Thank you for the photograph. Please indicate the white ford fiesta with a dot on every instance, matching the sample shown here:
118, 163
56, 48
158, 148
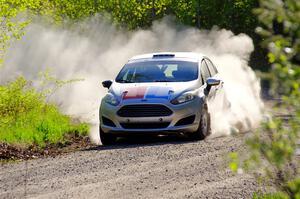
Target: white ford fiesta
160, 93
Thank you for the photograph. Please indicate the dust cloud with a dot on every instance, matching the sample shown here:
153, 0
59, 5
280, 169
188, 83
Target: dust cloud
95, 50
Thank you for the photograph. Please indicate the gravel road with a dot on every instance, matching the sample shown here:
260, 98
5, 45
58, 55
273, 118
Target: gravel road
165, 167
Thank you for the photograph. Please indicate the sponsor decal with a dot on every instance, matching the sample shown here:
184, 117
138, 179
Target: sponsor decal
134, 93
151, 92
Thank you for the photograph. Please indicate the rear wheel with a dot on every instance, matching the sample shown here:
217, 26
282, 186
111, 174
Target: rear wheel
204, 128
106, 138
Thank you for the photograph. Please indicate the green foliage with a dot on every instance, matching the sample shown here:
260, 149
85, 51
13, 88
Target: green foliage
280, 28
50, 84
234, 164
235, 15
25, 118
273, 148
15, 15
294, 188
10, 29
75, 10
270, 196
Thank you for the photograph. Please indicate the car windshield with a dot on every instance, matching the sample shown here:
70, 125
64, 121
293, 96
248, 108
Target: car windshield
158, 71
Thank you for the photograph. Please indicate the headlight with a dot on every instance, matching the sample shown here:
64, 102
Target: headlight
111, 99
185, 97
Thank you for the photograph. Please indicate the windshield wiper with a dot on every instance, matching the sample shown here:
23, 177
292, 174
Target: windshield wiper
124, 81
163, 81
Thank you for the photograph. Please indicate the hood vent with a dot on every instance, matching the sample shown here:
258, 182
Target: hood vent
163, 55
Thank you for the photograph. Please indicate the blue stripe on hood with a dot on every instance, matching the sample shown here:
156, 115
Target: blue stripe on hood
157, 92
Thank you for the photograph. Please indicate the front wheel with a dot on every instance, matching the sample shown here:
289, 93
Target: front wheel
106, 138
204, 128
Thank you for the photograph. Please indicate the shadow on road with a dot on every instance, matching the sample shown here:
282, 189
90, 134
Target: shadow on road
143, 141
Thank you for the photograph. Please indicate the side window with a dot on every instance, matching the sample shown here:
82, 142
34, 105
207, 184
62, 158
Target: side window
211, 67
204, 71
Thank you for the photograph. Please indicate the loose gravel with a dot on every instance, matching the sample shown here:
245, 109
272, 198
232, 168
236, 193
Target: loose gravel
145, 167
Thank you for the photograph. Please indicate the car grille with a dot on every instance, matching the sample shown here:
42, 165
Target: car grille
144, 110
144, 125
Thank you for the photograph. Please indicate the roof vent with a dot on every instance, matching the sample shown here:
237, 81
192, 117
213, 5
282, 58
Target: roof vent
163, 55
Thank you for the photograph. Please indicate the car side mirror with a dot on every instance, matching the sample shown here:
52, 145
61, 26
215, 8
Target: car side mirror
210, 82
107, 83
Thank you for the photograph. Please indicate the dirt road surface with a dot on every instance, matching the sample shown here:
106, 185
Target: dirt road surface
165, 167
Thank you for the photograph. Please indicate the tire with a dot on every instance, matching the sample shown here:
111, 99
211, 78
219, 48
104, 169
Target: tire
204, 128
107, 138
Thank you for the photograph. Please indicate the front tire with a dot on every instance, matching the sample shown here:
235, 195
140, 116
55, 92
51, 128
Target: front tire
204, 128
107, 138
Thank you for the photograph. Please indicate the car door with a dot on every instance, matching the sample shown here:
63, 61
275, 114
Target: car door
214, 74
205, 74
218, 91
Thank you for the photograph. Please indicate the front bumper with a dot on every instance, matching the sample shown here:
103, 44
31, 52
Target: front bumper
185, 110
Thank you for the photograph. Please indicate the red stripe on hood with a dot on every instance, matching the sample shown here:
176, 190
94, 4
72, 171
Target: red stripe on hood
135, 93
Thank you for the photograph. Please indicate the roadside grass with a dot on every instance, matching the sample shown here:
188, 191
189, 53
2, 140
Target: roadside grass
271, 196
26, 119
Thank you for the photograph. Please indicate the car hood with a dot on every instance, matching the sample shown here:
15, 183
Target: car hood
156, 90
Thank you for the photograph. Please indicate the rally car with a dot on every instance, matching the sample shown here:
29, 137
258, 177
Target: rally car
160, 93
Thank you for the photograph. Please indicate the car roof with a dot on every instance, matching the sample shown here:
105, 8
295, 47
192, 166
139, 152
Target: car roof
168, 55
